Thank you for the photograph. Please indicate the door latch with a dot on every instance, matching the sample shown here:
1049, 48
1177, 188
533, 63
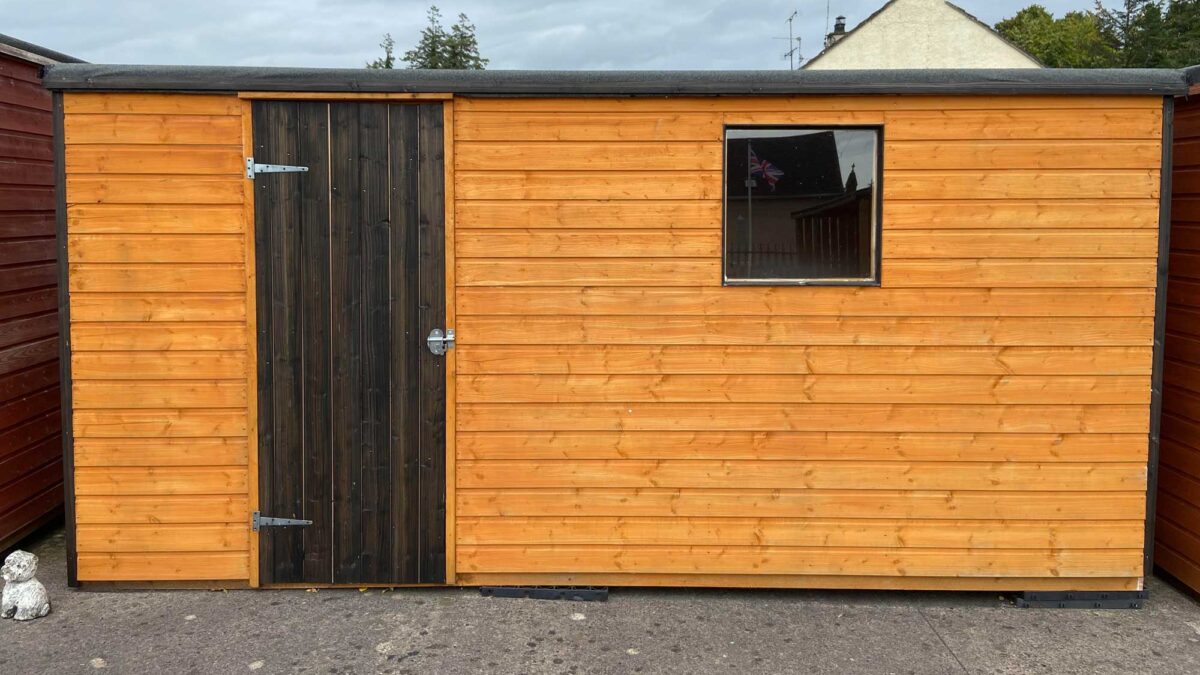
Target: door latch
438, 342
259, 520
253, 169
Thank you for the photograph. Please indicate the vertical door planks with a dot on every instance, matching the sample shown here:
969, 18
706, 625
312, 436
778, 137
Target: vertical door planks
352, 264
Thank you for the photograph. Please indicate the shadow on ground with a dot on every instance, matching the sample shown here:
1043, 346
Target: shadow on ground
636, 631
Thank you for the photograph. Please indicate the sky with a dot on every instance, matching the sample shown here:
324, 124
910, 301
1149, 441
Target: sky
514, 34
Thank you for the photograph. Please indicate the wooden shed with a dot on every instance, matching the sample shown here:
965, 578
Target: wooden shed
1177, 535
822, 329
31, 471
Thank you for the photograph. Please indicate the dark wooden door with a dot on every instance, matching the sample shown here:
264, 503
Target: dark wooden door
351, 404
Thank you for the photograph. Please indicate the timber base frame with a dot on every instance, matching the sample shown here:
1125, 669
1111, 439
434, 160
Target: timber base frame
1082, 599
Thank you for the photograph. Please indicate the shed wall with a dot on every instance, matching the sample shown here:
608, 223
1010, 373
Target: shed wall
160, 336
31, 471
1177, 531
623, 418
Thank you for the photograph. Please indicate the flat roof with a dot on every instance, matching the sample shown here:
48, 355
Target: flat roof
1133, 81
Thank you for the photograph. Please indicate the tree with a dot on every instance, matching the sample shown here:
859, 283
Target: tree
388, 60
1074, 41
438, 48
1183, 31
1136, 31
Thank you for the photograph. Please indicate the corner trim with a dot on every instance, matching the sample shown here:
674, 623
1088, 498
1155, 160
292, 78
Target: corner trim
64, 339
1160, 329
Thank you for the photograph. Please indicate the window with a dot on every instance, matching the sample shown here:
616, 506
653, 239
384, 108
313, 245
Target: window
802, 205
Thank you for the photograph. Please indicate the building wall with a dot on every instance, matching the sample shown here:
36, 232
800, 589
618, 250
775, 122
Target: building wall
160, 336
1177, 531
31, 489
979, 421
922, 34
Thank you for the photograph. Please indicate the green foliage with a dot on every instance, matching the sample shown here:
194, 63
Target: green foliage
1074, 41
388, 60
1135, 34
439, 48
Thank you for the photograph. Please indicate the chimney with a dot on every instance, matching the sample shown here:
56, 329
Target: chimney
839, 31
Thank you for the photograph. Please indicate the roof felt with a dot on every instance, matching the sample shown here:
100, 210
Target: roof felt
1157, 82
47, 56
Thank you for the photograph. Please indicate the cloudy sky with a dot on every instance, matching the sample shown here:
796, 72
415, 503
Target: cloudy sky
546, 34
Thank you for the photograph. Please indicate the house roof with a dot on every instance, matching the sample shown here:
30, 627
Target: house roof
89, 77
953, 6
28, 51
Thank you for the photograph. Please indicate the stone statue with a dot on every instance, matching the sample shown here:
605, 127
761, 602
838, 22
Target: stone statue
24, 597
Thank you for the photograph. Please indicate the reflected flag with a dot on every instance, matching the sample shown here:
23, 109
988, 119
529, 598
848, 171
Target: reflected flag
761, 168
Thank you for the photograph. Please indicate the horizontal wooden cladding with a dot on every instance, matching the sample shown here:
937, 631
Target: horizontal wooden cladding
897, 273
171, 566
159, 423
127, 219
153, 248
588, 185
588, 214
158, 365
809, 331
722, 104
882, 533
139, 307
129, 538
1018, 124
135, 278
677, 503
863, 360
160, 452
158, 394
80, 103
804, 581
1067, 213
899, 185
756, 388
898, 214
807, 301
1000, 447
895, 417
1009, 154
155, 159
802, 560
708, 156
152, 129
794, 474
645, 243
124, 189
161, 509
150, 480
609, 243
135, 336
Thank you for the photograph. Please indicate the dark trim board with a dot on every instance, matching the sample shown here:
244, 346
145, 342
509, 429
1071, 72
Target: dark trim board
64, 339
1160, 331
1131, 81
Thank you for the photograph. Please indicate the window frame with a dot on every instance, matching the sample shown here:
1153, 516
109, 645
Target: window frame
876, 278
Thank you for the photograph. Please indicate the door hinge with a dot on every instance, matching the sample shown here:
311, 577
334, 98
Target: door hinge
259, 520
253, 169
438, 342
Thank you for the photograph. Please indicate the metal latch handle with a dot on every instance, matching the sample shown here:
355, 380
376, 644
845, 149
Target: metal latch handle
438, 342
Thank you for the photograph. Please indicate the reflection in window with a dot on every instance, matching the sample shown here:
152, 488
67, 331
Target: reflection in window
800, 205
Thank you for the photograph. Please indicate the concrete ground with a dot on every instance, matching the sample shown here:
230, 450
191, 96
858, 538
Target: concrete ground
636, 631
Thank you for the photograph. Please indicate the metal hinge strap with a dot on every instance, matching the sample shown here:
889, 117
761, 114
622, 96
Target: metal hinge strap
259, 520
253, 169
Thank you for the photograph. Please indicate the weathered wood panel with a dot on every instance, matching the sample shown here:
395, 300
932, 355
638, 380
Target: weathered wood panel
622, 414
30, 451
1178, 507
157, 248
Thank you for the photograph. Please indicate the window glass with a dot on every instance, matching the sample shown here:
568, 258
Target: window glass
800, 205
